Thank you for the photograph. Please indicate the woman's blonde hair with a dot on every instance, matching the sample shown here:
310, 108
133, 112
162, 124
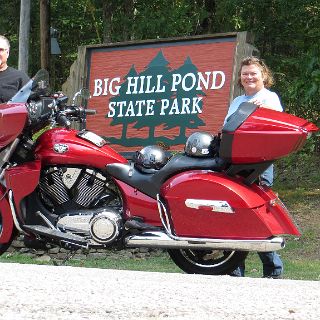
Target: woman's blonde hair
268, 80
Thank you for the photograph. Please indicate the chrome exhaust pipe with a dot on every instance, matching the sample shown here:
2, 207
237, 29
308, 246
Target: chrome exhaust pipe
157, 239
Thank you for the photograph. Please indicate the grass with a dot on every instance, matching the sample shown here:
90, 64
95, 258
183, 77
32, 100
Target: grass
298, 185
158, 263
299, 268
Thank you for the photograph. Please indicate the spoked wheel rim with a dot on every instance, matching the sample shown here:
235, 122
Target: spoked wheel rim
207, 258
213, 262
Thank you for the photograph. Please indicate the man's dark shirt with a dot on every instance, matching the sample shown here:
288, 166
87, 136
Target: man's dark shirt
11, 81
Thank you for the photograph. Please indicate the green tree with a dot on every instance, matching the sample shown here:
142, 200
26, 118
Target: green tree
185, 117
287, 33
156, 79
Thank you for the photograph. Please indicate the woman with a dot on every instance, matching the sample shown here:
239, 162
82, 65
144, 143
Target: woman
255, 78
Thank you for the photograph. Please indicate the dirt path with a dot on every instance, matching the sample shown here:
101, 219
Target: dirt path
48, 292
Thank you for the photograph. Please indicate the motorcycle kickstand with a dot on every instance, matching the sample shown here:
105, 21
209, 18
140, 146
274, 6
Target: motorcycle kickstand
69, 256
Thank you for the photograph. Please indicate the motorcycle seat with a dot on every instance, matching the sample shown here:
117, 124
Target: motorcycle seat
150, 184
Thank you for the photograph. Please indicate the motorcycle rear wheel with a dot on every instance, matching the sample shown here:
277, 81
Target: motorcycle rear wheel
211, 262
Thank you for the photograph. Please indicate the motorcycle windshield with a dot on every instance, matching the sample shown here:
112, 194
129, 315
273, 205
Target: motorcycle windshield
238, 117
35, 87
13, 115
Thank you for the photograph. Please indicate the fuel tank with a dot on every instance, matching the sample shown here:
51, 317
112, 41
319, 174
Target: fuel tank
255, 135
13, 117
65, 147
207, 204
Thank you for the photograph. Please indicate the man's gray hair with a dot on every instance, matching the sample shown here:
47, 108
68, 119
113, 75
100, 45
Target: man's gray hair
6, 40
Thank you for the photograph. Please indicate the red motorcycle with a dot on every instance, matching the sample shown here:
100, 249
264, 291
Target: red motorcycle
205, 206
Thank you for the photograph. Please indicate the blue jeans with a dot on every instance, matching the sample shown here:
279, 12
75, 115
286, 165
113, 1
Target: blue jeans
267, 176
272, 264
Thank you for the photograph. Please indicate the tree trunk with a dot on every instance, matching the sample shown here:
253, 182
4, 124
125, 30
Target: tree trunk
24, 32
128, 11
209, 22
108, 8
45, 33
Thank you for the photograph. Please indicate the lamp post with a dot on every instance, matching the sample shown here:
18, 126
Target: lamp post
55, 51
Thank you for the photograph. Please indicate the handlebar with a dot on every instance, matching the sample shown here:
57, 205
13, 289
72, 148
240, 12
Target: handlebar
63, 120
46, 109
90, 111
72, 111
75, 111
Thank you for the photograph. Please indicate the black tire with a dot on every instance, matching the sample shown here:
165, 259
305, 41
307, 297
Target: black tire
4, 246
213, 262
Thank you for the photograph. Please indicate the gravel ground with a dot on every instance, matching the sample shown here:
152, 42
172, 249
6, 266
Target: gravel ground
49, 292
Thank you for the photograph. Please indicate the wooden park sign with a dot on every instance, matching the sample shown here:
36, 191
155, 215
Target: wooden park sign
160, 91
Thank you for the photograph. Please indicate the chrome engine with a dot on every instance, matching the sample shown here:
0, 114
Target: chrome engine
84, 201
60, 185
103, 226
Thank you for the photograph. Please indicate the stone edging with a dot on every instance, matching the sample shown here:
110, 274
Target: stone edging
61, 254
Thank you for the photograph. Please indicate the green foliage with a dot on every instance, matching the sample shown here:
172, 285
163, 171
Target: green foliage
303, 94
287, 33
291, 172
161, 19
9, 27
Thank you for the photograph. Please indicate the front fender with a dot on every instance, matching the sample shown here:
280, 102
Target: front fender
22, 180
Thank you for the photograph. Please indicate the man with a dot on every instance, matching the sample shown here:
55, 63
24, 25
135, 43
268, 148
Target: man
11, 80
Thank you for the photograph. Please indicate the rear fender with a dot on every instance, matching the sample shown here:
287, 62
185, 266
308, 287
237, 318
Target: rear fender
275, 214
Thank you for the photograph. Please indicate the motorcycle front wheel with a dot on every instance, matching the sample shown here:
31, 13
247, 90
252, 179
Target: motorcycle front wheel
212, 262
3, 246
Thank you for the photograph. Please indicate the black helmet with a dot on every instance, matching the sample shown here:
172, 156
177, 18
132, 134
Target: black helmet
150, 159
199, 144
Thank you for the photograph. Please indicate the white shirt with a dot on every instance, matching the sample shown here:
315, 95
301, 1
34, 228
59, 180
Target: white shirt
266, 96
